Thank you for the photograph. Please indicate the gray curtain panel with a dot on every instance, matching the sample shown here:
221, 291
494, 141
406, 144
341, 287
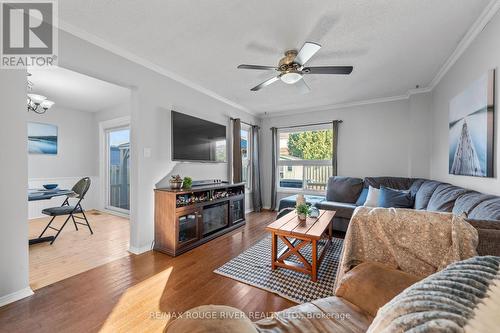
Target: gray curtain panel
275, 152
256, 193
237, 167
335, 128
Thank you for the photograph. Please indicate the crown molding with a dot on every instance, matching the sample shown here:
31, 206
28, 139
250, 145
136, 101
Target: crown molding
330, 107
93, 39
477, 27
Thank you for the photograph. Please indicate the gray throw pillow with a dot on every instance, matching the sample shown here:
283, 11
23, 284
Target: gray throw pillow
344, 189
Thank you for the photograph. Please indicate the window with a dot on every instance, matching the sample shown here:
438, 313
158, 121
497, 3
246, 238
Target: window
305, 158
118, 160
246, 155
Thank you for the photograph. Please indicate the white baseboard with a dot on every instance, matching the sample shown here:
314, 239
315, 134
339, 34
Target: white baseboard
15, 296
139, 250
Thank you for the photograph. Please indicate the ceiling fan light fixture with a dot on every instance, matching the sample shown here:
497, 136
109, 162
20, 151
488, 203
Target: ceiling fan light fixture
46, 104
291, 77
37, 99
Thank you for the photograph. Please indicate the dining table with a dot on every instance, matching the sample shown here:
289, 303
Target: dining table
43, 194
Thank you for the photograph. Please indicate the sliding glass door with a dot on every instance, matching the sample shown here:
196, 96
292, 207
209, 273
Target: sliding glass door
118, 166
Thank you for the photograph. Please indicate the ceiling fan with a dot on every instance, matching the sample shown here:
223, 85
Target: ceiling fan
291, 68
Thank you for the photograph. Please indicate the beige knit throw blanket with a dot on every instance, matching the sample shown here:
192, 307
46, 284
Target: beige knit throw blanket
417, 242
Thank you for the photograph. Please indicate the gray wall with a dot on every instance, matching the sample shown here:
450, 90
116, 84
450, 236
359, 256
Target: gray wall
78, 150
13, 189
482, 55
374, 140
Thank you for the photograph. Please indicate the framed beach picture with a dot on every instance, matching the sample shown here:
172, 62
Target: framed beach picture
471, 128
42, 138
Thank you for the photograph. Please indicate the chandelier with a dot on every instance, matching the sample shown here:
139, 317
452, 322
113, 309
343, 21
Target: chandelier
37, 103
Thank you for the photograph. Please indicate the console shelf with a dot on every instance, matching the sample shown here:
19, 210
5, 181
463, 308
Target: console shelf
185, 219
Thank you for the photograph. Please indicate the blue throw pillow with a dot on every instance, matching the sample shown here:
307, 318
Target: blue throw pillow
362, 197
390, 198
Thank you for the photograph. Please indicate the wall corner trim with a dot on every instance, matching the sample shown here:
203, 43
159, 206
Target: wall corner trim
15, 296
477, 27
139, 250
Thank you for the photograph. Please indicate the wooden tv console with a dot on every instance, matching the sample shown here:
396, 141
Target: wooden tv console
185, 219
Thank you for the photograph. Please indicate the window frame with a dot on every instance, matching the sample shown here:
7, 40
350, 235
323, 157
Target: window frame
302, 163
249, 129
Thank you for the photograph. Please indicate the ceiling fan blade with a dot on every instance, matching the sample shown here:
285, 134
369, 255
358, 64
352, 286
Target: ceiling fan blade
328, 70
256, 67
306, 52
265, 83
302, 86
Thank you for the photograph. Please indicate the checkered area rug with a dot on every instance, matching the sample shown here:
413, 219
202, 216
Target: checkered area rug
253, 267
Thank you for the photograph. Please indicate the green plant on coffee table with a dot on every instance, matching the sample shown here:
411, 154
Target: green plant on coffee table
302, 211
187, 183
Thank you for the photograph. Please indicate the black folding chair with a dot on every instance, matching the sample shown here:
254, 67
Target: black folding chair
79, 191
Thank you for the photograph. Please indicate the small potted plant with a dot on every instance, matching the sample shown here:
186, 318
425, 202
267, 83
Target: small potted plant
187, 183
302, 211
176, 182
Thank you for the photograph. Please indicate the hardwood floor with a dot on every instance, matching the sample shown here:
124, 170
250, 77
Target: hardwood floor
74, 251
137, 293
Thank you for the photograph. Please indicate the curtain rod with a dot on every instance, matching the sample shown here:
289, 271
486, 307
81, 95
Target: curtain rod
243, 122
316, 124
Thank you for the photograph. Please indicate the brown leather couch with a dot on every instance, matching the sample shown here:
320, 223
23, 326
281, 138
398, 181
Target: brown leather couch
360, 294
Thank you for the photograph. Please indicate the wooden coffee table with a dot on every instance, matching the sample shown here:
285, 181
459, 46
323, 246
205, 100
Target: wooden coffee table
297, 234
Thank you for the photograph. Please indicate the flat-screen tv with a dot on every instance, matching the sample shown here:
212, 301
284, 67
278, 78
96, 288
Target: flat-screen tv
197, 140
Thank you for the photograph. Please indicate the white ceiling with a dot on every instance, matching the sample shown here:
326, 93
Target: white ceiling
77, 91
393, 45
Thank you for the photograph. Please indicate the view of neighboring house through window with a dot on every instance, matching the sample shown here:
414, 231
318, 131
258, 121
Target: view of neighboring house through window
119, 169
246, 155
305, 160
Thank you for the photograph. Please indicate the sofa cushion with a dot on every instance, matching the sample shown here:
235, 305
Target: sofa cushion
325, 315
443, 198
342, 209
468, 201
371, 285
362, 197
391, 198
344, 189
487, 210
424, 194
461, 298
397, 183
416, 186
372, 197
488, 232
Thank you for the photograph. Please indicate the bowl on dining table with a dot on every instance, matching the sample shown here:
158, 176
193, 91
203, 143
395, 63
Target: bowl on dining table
50, 186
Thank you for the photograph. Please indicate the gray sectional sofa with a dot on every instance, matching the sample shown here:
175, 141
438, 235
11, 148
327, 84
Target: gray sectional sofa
343, 194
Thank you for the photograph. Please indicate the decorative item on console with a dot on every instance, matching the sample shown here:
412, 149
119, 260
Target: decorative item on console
187, 182
176, 182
